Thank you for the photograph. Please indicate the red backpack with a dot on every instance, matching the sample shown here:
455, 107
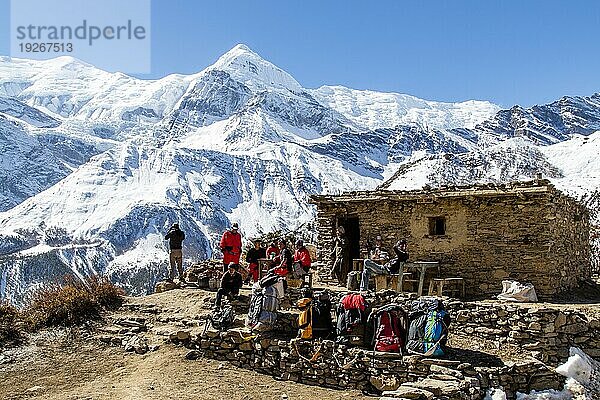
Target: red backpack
390, 328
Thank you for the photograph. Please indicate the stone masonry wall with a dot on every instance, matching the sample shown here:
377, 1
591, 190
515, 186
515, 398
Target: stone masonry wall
487, 238
330, 365
570, 228
546, 331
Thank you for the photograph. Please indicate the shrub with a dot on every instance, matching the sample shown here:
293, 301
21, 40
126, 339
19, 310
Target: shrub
72, 303
11, 326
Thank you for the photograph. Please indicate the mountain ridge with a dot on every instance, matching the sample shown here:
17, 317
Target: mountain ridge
238, 141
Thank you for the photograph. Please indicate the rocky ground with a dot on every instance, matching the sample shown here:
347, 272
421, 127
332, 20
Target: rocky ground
80, 364
130, 355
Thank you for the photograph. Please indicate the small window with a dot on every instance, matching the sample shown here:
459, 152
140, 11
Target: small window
437, 226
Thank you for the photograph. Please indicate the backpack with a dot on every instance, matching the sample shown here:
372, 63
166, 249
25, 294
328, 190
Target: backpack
268, 280
264, 304
428, 331
352, 320
222, 318
305, 318
390, 325
322, 325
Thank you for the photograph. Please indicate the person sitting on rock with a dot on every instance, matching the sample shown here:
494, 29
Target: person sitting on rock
302, 256
231, 282
284, 261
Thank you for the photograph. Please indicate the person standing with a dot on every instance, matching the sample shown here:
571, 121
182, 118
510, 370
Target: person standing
231, 246
392, 267
175, 236
341, 256
231, 282
252, 257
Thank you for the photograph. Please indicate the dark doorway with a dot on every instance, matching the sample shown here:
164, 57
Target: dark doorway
352, 228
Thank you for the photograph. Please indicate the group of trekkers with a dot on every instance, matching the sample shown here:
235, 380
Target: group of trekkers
277, 256
421, 328
377, 263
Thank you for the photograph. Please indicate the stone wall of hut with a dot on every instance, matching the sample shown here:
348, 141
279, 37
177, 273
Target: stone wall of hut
539, 236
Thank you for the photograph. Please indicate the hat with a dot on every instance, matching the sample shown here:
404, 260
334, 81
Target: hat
233, 265
256, 240
378, 237
235, 225
402, 241
299, 242
175, 225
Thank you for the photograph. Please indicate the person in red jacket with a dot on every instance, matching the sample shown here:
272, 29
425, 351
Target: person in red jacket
231, 246
302, 255
272, 251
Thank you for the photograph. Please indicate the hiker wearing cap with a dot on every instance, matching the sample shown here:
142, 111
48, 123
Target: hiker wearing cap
252, 257
341, 256
302, 256
231, 246
175, 236
391, 267
231, 282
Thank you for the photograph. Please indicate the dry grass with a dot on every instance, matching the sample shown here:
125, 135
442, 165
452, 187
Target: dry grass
72, 303
11, 326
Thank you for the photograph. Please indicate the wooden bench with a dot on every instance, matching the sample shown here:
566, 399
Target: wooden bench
357, 264
453, 285
391, 281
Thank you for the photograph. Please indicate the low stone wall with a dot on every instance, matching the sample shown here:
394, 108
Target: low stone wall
546, 331
331, 365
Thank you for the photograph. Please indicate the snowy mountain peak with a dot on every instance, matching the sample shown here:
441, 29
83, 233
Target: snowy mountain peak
246, 66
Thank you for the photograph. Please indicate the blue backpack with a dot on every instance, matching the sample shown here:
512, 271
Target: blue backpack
428, 329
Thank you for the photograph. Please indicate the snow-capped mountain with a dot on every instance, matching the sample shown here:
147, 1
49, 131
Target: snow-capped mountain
95, 165
374, 110
546, 124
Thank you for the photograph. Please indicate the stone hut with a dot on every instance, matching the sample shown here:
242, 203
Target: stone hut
526, 231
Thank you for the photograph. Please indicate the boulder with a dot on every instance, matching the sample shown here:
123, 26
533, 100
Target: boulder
384, 383
406, 392
164, 286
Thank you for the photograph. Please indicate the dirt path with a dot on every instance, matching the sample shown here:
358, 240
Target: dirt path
86, 370
57, 365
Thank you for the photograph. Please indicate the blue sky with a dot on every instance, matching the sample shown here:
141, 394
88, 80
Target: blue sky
509, 52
